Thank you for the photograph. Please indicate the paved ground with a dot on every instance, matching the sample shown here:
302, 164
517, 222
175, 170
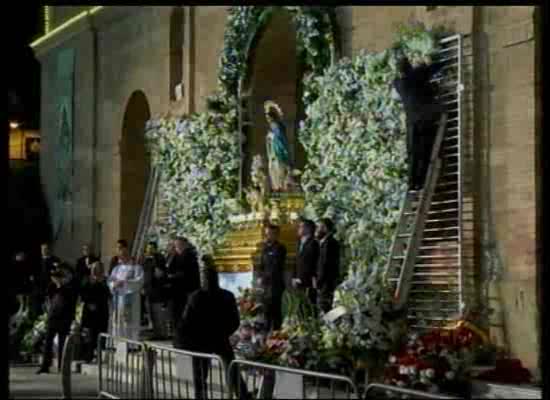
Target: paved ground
25, 384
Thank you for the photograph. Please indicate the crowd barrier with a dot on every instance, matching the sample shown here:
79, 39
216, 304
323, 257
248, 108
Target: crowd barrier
130, 369
123, 368
265, 381
180, 374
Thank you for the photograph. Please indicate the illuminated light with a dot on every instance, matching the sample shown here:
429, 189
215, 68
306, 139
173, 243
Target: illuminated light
14, 125
47, 19
65, 25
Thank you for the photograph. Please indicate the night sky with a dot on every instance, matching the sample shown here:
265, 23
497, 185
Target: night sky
23, 68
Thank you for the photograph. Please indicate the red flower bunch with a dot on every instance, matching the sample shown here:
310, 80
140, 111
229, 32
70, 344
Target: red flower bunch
435, 361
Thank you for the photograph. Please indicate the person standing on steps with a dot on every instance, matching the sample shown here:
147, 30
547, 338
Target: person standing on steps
423, 112
328, 266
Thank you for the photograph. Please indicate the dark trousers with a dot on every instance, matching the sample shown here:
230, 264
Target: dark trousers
420, 140
176, 311
273, 311
36, 308
54, 329
201, 368
95, 328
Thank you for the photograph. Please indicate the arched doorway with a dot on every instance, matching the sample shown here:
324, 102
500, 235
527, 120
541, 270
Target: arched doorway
274, 74
134, 164
176, 50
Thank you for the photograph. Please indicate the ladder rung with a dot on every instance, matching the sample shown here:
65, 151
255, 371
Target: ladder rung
437, 256
448, 310
448, 246
453, 147
450, 155
433, 274
450, 228
446, 174
434, 283
434, 239
437, 211
427, 266
454, 137
435, 203
451, 165
437, 291
433, 221
416, 300
421, 317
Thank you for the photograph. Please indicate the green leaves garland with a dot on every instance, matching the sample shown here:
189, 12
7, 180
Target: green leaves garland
199, 158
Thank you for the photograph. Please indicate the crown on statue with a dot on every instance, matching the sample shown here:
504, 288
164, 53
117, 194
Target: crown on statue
270, 106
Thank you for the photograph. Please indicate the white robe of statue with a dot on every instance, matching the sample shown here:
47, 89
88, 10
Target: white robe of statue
126, 316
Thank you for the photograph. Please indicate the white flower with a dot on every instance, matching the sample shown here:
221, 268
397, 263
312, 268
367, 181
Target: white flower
430, 373
450, 375
393, 359
412, 370
403, 370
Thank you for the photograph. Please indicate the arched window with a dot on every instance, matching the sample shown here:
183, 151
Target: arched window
176, 50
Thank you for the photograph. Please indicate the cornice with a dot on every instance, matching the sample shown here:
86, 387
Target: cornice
96, 18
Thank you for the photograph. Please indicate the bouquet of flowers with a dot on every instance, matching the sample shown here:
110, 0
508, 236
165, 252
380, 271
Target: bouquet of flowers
437, 361
32, 341
249, 340
362, 324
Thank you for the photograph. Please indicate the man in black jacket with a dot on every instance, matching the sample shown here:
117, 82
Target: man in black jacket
210, 318
328, 267
83, 264
61, 313
183, 278
423, 112
271, 277
42, 281
154, 276
307, 255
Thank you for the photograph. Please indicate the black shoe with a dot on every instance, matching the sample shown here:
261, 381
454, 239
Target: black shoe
43, 370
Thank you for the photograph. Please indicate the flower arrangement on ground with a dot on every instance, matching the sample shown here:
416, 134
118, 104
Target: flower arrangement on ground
250, 339
436, 361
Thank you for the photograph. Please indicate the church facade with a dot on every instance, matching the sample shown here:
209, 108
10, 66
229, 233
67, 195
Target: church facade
128, 64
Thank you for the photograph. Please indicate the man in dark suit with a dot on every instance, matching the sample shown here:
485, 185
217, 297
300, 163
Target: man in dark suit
183, 278
210, 318
83, 265
271, 277
307, 256
62, 295
423, 112
47, 264
328, 267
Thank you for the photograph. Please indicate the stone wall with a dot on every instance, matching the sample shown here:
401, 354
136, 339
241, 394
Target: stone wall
499, 122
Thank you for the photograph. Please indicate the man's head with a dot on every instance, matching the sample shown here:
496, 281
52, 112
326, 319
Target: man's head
180, 243
272, 232
122, 247
306, 227
19, 257
45, 249
324, 228
151, 248
85, 250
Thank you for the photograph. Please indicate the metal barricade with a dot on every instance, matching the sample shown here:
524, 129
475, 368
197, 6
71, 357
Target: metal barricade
380, 391
264, 381
123, 368
177, 374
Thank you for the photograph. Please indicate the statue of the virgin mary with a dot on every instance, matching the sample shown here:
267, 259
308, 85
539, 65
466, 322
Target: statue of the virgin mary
277, 148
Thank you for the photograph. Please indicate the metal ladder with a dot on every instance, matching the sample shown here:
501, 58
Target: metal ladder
138, 244
411, 226
425, 267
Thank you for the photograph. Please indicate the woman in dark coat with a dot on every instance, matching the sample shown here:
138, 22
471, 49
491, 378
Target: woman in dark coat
95, 295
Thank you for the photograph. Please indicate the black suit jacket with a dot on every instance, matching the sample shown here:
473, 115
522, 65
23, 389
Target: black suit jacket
418, 93
306, 262
328, 267
82, 271
185, 275
44, 275
209, 319
271, 268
